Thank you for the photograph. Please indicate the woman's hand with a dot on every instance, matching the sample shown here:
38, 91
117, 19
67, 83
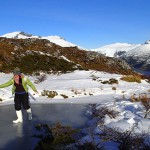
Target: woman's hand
36, 92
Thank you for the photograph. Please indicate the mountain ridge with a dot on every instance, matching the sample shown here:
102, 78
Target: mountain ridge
111, 50
137, 55
53, 38
41, 54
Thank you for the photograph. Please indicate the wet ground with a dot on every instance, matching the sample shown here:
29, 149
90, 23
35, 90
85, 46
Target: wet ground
19, 136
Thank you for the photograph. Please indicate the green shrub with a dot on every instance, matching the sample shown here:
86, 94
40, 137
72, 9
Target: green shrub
64, 96
35, 62
113, 88
111, 81
105, 82
52, 138
49, 94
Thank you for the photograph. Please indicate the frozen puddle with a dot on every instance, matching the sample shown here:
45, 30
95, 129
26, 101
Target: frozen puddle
19, 136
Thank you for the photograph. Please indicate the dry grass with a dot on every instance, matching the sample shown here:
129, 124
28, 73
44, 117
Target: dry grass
113, 88
127, 140
145, 100
131, 78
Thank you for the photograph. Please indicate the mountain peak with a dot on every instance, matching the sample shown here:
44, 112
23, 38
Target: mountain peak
19, 35
54, 39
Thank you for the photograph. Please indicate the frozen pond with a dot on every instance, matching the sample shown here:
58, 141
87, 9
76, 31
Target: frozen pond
19, 136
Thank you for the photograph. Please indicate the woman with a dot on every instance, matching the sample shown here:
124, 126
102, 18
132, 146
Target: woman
20, 90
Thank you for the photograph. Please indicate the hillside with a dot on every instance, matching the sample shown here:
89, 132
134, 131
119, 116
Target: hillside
37, 54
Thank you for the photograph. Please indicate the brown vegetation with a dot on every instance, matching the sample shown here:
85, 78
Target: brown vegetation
15, 51
145, 100
131, 78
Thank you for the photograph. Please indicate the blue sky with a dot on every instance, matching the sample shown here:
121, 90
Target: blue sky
87, 23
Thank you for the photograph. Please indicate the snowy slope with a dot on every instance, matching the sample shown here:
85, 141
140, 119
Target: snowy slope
59, 41
54, 39
114, 50
68, 84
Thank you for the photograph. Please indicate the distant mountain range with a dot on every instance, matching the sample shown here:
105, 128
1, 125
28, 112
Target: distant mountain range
53, 54
137, 55
116, 49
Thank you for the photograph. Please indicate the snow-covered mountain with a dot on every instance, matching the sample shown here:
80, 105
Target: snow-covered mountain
116, 49
54, 39
147, 42
139, 57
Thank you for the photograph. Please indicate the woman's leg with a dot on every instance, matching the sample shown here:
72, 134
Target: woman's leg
17, 101
17, 105
25, 103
